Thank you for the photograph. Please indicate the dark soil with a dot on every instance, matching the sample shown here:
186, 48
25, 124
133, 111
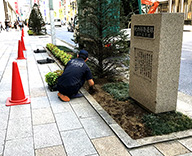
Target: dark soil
128, 114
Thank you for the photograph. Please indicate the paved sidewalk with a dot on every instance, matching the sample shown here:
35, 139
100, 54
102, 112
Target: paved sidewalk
49, 127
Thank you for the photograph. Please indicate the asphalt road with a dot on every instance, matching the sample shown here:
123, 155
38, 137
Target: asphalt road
185, 78
62, 34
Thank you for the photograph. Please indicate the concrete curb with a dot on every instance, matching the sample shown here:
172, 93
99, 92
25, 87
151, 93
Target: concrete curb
123, 136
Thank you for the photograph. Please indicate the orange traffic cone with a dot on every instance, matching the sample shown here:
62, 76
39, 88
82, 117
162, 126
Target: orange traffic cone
17, 95
22, 33
20, 51
22, 43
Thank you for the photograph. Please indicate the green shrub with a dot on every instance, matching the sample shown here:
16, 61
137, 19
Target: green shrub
118, 90
60, 54
36, 21
165, 123
58, 72
64, 49
51, 77
30, 32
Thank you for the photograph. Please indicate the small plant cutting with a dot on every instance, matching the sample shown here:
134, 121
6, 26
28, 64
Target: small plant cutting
51, 79
60, 54
30, 32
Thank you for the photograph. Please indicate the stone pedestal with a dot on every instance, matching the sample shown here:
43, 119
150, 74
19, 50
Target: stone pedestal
156, 42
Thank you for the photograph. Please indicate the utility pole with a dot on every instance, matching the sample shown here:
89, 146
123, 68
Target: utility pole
31, 4
139, 5
51, 12
170, 5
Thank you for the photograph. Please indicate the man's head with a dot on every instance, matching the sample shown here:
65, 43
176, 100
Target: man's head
83, 54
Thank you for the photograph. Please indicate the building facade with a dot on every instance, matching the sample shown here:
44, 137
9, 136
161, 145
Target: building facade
8, 12
173, 6
66, 10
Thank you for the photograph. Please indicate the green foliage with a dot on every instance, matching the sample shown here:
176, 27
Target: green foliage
51, 77
165, 123
60, 54
64, 49
30, 32
118, 90
98, 27
128, 8
58, 72
36, 21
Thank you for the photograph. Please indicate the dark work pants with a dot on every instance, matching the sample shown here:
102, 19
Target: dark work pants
69, 90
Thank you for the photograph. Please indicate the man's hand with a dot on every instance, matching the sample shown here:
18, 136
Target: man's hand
91, 82
92, 90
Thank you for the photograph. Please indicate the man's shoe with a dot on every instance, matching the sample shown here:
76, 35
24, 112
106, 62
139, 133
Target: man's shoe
78, 95
63, 97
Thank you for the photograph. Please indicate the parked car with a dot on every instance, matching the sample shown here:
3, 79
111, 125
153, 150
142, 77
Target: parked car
57, 22
125, 32
70, 27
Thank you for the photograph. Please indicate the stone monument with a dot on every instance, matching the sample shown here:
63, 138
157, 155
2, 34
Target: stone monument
156, 42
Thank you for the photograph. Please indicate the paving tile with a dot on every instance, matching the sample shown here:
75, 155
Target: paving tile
19, 147
78, 100
4, 96
108, 119
187, 143
183, 106
60, 107
44, 69
84, 110
67, 121
96, 127
4, 114
53, 96
42, 116
51, 151
183, 134
186, 154
46, 135
157, 139
37, 92
40, 102
20, 111
110, 146
19, 128
52, 66
32, 67
5, 86
2, 139
168, 148
77, 143
145, 151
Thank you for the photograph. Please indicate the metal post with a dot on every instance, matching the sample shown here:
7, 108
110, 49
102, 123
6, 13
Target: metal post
139, 5
51, 12
31, 4
170, 5
182, 1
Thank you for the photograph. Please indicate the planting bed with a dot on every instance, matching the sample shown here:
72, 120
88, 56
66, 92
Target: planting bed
129, 115
125, 113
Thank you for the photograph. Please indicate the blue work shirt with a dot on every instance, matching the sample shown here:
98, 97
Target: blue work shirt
75, 73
